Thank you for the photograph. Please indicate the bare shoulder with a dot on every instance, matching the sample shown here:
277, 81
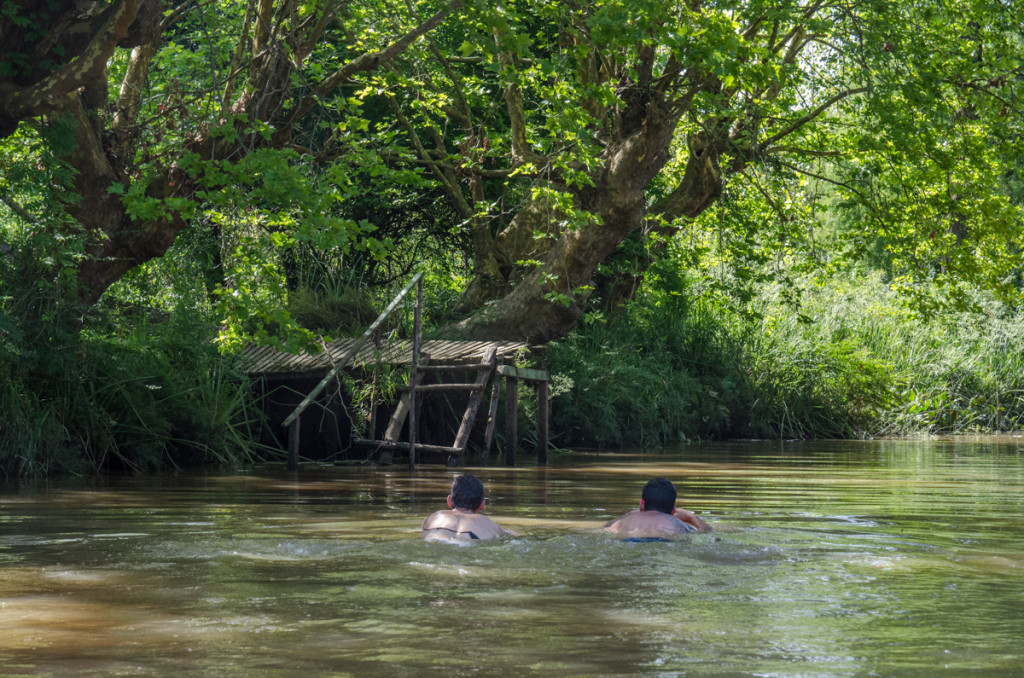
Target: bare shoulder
440, 519
485, 528
616, 524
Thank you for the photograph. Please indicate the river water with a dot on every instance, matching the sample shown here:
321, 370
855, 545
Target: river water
878, 558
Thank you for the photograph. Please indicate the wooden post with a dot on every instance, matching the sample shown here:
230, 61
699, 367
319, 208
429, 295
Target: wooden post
492, 415
511, 420
417, 330
293, 444
542, 422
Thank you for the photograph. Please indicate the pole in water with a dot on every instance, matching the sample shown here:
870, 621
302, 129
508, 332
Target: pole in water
414, 376
293, 444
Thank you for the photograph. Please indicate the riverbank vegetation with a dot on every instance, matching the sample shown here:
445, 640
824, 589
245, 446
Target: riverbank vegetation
850, 361
725, 219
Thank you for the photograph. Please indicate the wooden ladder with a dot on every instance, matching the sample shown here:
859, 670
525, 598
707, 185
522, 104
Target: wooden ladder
391, 441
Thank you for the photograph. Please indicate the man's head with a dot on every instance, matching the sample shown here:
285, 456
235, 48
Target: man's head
658, 495
467, 493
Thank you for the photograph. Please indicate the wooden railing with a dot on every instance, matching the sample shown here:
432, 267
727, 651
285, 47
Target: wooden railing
293, 419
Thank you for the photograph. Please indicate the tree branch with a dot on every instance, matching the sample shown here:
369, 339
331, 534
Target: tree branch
15, 207
446, 179
236, 59
811, 115
39, 98
126, 113
314, 35
177, 13
807, 152
522, 154
370, 61
840, 184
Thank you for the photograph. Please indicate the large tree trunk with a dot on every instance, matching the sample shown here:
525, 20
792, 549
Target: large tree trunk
497, 269
700, 187
549, 300
655, 88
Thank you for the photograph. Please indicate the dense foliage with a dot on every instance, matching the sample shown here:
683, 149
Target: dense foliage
683, 363
788, 216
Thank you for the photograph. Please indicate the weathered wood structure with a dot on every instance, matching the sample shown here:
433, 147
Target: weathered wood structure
486, 361
264, 360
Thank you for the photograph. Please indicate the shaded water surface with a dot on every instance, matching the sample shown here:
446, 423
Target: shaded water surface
829, 559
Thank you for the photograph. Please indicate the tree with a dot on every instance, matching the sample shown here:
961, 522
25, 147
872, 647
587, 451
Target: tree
557, 132
141, 167
629, 117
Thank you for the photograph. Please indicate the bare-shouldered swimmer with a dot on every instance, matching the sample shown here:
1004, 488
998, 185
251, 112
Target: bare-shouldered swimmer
463, 520
657, 515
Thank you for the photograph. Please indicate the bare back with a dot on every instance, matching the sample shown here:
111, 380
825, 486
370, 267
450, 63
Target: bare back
648, 524
460, 526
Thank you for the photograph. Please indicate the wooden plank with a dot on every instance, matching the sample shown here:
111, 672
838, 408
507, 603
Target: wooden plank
527, 373
414, 373
462, 437
394, 430
459, 386
445, 351
260, 359
347, 350
510, 350
395, 353
338, 349
453, 367
399, 445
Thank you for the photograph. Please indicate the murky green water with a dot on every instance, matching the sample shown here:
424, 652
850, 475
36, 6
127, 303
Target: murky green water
830, 559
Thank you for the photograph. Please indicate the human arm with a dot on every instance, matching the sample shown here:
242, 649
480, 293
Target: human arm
692, 518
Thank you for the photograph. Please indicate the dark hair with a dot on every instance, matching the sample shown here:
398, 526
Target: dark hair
659, 495
467, 492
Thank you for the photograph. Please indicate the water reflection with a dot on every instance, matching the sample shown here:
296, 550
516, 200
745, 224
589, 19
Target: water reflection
839, 559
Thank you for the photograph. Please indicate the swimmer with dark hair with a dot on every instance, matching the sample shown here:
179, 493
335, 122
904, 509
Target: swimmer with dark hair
463, 521
657, 516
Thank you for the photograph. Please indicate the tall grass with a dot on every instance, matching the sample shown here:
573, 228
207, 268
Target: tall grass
659, 371
851, 360
128, 394
947, 373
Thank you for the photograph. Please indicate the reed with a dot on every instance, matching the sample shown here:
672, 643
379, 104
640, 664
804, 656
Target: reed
108, 399
850, 360
657, 372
